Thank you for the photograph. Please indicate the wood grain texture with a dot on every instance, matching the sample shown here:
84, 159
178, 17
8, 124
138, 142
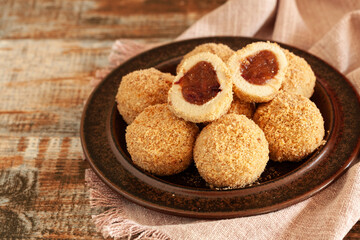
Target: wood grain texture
45, 83
42, 190
98, 19
49, 51
43, 88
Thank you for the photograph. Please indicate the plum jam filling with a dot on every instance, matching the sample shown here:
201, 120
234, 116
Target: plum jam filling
260, 67
200, 84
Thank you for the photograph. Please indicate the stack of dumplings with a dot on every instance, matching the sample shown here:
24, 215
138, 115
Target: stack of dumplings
228, 111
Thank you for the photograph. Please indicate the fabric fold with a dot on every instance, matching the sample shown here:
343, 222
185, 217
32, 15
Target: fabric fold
329, 30
234, 18
341, 46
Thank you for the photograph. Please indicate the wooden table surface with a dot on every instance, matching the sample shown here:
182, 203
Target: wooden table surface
49, 51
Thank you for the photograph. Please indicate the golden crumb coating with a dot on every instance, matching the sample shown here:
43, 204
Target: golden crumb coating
299, 77
293, 126
231, 152
240, 107
140, 89
160, 142
219, 49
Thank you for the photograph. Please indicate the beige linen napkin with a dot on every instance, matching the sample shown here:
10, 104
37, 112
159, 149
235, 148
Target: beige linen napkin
328, 29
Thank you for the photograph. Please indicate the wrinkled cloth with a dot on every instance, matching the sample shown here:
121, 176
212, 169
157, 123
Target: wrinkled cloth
329, 29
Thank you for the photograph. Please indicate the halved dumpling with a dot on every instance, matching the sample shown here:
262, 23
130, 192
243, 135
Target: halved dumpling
202, 90
257, 71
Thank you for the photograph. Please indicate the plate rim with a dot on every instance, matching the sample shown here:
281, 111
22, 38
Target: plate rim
270, 208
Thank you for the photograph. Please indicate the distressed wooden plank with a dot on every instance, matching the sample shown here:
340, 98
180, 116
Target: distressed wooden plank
44, 196
43, 88
42, 97
35, 151
99, 19
44, 84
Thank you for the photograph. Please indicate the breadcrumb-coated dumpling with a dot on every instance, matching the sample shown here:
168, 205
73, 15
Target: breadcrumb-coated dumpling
140, 89
293, 126
257, 71
240, 107
231, 152
160, 142
202, 90
299, 77
219, 49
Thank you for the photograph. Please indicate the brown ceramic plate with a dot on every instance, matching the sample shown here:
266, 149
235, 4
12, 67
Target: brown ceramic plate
186, 194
